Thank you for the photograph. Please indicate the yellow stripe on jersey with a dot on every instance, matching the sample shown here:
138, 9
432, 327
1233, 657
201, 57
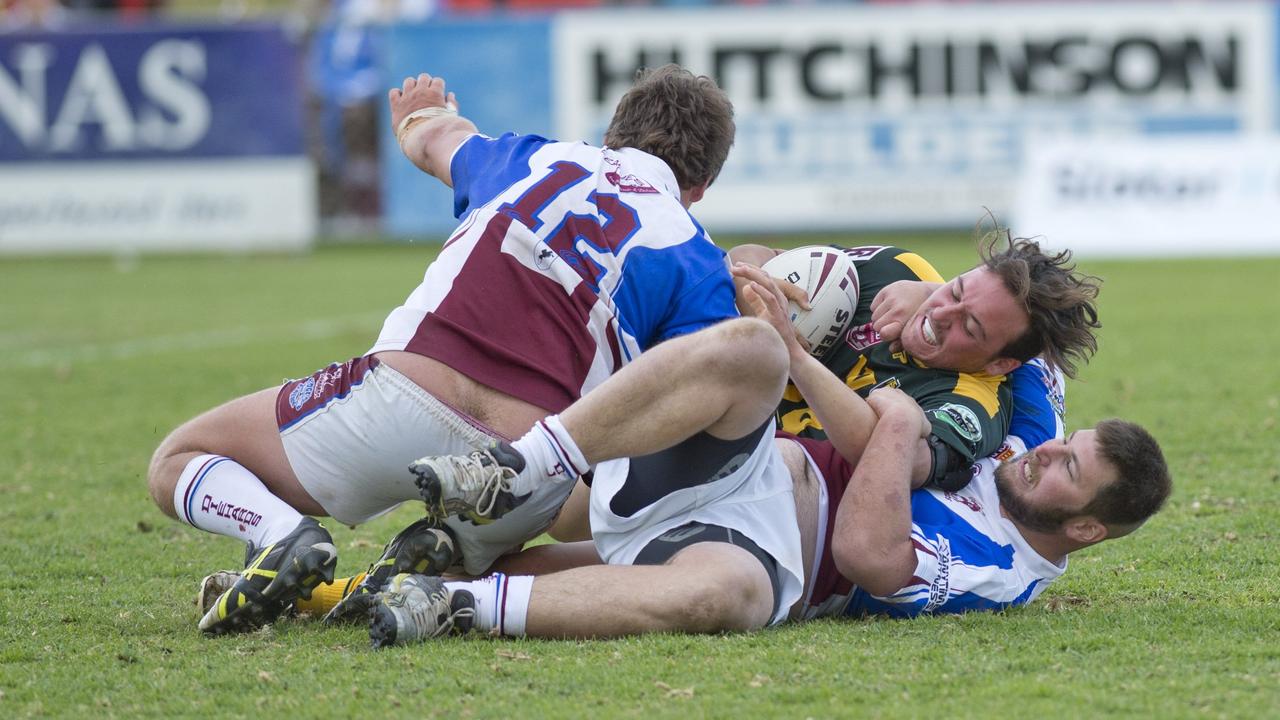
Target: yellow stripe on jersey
919, 266
981, 388
792, 393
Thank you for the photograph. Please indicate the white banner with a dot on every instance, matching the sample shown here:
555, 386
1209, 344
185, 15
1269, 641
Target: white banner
1154, 197
229, 204
921, 115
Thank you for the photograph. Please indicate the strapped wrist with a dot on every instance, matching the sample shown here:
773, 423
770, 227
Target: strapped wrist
422, 115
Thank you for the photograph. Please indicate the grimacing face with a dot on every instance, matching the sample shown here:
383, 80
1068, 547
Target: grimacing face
1043, 487
964, 324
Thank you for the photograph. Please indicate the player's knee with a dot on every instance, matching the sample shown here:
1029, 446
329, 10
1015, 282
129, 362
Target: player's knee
726, 597
167, 463
750, 350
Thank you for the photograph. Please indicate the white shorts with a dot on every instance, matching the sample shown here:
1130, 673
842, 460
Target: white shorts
751, 495
350, 432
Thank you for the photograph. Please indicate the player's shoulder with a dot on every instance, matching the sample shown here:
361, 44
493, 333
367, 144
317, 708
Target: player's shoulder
891, 262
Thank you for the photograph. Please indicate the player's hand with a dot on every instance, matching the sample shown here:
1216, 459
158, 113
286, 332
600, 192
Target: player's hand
417, 93
766, 299
893, 307
890, 402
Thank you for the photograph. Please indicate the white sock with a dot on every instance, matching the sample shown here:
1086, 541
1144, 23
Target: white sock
502, 602
550, 453
219, 495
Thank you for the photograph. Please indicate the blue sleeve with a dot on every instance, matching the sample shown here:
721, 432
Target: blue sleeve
666, 292
483, 167
1037, 404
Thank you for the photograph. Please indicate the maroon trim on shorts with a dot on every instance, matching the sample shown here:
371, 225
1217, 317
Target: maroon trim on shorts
299, 398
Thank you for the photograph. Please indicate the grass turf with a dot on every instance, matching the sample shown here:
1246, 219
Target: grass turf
103, 357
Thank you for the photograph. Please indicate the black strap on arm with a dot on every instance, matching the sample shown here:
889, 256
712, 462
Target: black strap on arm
949, 470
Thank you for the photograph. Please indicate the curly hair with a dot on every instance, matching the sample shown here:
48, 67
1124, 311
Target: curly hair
1060, 302
683, 119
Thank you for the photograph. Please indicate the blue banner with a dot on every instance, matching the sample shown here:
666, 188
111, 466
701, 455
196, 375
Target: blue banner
501, 74
150, 92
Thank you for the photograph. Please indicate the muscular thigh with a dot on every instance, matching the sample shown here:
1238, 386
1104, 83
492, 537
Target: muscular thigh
245, 430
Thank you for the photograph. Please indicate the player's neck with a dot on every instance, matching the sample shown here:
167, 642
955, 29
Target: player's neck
1050, 546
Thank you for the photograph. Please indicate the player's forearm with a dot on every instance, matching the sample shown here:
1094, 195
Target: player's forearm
430, 145
847, 419
751, 254
871, 540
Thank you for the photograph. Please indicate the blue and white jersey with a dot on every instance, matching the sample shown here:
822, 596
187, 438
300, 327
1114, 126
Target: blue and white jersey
569, 262
968, 556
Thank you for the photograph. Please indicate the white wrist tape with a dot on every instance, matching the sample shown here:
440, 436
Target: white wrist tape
423, 114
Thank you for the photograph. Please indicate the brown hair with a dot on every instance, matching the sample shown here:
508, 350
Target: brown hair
683, 119
1059, 301
1142, 481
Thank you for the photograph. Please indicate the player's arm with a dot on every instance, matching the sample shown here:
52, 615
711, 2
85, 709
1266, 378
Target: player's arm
845, 416
871, 540
894, 305
427, 124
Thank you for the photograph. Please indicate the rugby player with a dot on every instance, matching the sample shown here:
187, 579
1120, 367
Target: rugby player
713, 500
569, 261
871, 545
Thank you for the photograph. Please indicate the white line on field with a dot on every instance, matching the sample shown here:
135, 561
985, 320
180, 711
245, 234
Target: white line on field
205, 339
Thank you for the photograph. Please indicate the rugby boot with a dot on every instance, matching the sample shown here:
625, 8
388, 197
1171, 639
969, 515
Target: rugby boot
478, 487
423, 548
412, 608
274, 576
212, 587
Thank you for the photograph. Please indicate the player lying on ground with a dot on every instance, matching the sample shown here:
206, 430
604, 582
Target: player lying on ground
1018, 298
569, 261
996, 542
870, 543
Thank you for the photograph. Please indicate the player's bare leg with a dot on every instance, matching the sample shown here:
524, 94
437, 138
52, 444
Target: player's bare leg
706, 587
226, 472
725, 381
243, 429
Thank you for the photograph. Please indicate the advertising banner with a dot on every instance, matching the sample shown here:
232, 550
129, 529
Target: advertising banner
153, 138
922, 115
1160, 197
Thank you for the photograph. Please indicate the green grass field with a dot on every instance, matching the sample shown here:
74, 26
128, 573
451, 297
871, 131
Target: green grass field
103, 357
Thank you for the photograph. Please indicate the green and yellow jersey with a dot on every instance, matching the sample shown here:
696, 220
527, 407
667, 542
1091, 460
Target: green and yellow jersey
969, 412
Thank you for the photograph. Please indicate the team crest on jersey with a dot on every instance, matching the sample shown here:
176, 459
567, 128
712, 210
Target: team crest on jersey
543, 256
630, 184
861, 337
962, 420
302, 393
965, 501
1004, 453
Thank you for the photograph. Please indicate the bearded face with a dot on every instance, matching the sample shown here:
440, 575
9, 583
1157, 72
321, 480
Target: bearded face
1014, 480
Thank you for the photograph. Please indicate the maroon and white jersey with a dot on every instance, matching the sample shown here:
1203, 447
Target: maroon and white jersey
569, 262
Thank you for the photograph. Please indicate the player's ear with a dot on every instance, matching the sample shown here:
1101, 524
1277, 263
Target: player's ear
694, 194
1085, 530
1001, 366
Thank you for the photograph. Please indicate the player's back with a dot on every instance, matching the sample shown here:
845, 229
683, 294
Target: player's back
570, 261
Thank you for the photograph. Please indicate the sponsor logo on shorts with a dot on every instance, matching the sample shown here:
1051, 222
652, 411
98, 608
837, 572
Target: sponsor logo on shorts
962, 420
734, 465
680, 534
301, 393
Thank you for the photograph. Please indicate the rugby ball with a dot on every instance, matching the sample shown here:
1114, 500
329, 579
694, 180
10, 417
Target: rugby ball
830, 278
